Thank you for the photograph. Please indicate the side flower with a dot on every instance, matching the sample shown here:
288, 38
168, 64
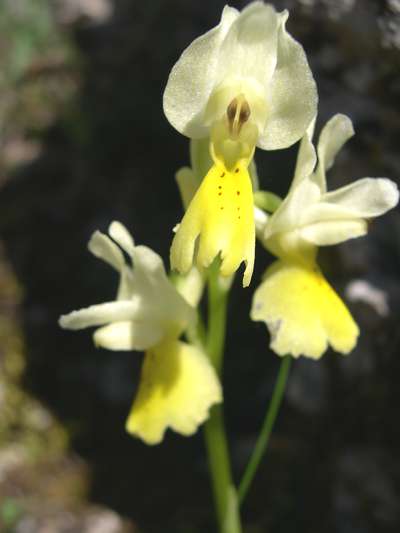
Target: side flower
244, 83
178, 384
301, 310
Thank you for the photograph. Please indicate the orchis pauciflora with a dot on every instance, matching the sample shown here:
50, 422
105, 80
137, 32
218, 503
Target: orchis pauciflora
244, 83
178, 384
301, 310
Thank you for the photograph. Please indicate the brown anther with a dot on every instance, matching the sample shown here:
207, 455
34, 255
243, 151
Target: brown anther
232, 110
238, 112
244, 112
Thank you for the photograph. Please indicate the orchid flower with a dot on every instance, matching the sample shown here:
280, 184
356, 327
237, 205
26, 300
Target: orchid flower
244, 83
178, 384
301, 310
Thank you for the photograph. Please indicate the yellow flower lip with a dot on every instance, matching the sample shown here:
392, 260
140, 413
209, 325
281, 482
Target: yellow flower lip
218, 221
302, 312
177, 388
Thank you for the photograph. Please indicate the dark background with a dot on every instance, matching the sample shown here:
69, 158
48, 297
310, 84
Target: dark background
83, 142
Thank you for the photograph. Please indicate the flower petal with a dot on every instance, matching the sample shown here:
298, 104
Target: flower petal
333, 232
302, 312
333, 136
97, 315
293, 94
289, 214
104, 248
222, 214
122, 236
246, 63
193, 77
159, 301
177, 388
365, 198
342, 214
128, 335
306, 158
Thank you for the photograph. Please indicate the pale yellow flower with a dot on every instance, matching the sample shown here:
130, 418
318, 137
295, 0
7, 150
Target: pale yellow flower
243, 84
300, 309
178, 384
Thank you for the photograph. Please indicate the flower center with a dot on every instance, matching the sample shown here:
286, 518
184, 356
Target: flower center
238, 112
234, 136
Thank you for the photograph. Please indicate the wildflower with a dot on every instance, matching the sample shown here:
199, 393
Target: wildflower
178, 384
244, 83
299, 307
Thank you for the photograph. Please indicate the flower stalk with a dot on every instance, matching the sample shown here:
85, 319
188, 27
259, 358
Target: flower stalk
266, 430
214, 431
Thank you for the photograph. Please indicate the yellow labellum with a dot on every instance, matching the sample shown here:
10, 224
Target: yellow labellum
221, 215
177, 388
302, 312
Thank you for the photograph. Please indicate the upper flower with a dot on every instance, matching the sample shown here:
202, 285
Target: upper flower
249, 70
310, 216
244, 83
178, 383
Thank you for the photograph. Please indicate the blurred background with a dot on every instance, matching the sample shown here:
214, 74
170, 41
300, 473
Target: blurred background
83, 141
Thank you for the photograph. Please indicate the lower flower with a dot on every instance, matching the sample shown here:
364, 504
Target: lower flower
178, 386
302, 312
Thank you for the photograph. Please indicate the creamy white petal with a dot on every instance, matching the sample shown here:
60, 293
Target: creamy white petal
293, 94
306, 159
128, 335
96, 315
122, 236
333, 232
249, 48
104, 248
289, 213
193, 78
333, 136
365, 198
125, 287
159, 298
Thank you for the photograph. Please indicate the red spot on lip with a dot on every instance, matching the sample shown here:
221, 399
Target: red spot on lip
238, 192
236, 170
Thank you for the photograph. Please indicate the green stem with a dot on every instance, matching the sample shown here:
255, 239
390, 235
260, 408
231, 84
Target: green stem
268, 424
217, 309
215, 437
